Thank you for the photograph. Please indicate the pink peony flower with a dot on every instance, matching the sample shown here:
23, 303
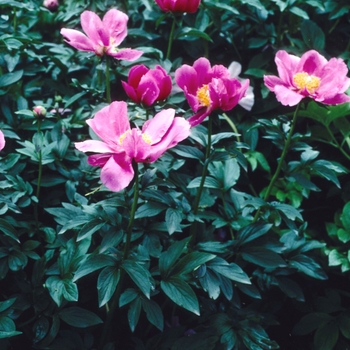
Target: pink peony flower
120, 144
2, 140
310, 75
103, 37
208, 88
189, 6
39, 112
51, 5
147, 85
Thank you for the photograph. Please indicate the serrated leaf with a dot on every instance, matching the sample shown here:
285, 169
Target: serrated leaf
181, 294
79, 317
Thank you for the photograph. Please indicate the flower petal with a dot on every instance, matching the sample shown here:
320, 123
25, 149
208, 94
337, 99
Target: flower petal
199, 117
117, 173
116, 22
77, 39
159, 125
93, 27
2, 140
286, 96
124, 54
93, 146
286, 66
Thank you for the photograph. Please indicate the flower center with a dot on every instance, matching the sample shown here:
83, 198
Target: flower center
306, 81
203, 96
123, 136
147, 138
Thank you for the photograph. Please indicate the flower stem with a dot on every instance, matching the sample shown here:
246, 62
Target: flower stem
40, 171
115, 299
171, 38
336, 144
281, 160
201, 185
108, 80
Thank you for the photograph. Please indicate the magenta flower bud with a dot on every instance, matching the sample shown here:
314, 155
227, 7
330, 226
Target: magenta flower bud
310, 75
189, 6
51, 5
146, 85
2, 140
39, 112
209, 88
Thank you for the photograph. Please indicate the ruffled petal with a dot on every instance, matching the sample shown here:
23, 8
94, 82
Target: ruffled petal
286, 66
99, 159
111, 122
311, 62
199, 117
116, 23
93, 27
117, 173
77, 39
93, 146
2, 140
159, 125
272, 81
204, 71
334, 100
186, 77
124, 54
286, 96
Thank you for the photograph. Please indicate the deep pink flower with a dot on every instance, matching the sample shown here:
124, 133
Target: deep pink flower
310, 75
103, 37
147, 85
2, 140
208, 88
120, 144
189, 6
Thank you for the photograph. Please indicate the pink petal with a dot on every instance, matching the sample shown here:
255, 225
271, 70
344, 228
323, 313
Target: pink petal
311, 62
148, 91
117, 173
116, 22
124, 54
99, 159
159, 125
111, 122
335, 100
135, 74
77, 39
93, 146
2, 140
178, 131
186, 76
286, 66
286, 96
135, 146
199, 117
272, 81
131, 92
93, 27
204, 71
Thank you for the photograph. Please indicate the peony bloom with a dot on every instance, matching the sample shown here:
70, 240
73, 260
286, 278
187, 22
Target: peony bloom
208, 88
2, 140
39, 112
147, 85
189, 6
310, 75
120, 144
247, 101
103, 37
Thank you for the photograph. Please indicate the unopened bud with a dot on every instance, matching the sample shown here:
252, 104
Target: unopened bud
39, 112
51, 5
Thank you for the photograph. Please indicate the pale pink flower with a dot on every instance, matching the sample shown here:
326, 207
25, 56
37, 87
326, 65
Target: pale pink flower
146, 85
51, 5
208, 88
2, 140
310, 75
120, 145
102, 36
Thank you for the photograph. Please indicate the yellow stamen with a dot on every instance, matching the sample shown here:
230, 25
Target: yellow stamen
147, 138
203, 96
123, 136
304, 80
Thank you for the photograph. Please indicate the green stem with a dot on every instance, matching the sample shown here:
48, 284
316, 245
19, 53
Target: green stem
108, 80
171, 38
105, 338
233, 126
225, 208
201, 185
336, 144
40, 172
281, 160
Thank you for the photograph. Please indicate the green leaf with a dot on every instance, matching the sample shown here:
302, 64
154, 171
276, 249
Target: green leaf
187, 32
290, 288
55, 286
232, 271
107, 283
326, 336
209, 182
344, 324
128, 296
7, 327
169, 257
149, 209
70, 290
313, 35
263, 257
190, 262
4, 305
308, 266
188, 152
79, 317
154, 313
10, 78
89, 228
173, 219
251, 232
134, 313
139, 275
93, 263
299, 12
345, 217
181, 294
8, 230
